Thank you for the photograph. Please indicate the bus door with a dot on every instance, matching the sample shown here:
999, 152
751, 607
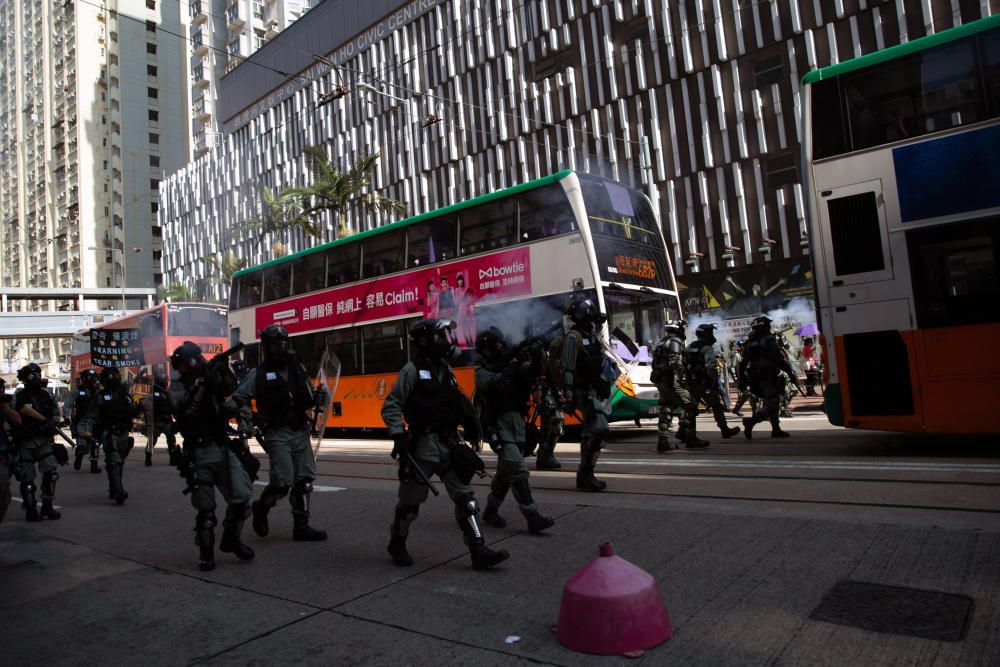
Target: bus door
869, 314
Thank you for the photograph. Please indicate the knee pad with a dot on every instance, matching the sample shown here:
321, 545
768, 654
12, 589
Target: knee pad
279, 491
50, 476
205, 519
465, 505
303, 487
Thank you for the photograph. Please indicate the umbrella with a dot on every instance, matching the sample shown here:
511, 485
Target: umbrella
807, 330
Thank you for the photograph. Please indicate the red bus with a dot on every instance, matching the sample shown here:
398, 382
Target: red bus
159, 330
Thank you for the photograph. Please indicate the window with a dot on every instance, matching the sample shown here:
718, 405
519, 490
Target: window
384, 347
617, 212
150, 48
258, 10
954, 269
157, 231
154, 207
157, 279
152, 93
150, 4
780, 170
552, 64
309, 273
990, 43
544, 212
489, 226
154, 184
151, 70
249, 290
431, 241
157, 255
855, 230
154, 161
196, 321
154, 138
342, 264
383, 254
150, 26
829, 136
768, 70
153, 115
277, 282
937, 89
346, 344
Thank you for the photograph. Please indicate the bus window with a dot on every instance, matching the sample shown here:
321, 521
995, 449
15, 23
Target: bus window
342, 264
151, 326
827, 119
248, 287
488, 227
196, 321
346, 344
431, 241
991, 70
617, 212
277, 282
544, 212
385, 347
309, 273
383, 254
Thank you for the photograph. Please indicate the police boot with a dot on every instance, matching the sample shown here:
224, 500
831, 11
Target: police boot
776, 431
232, 526
492, 513
204, 537
149, 462
397, 550
94, 457
547, 461
483, 558
301, 530
663, 444
692, 441
117, 490
48, 495
728, 432
94, 467
536, 521
28, 498
586, 481
259, 508
78, 459
748, 424
174, 452
400, 528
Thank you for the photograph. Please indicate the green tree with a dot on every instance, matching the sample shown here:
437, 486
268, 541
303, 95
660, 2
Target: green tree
224, 266
175, 292
334, 190
280, 214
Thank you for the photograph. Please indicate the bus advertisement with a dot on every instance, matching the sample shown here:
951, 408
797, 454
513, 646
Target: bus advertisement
900, 169
509, 259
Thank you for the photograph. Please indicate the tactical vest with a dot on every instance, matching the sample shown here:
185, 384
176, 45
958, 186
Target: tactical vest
432, 406
762, 351
589, 358
663, 366
162, 407
81, 404
282, 401
509, 397
115, 410
204, 425
697, 359
42, 404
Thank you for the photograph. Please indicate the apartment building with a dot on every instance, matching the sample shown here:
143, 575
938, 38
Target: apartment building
465, 98
93, 107
222, 34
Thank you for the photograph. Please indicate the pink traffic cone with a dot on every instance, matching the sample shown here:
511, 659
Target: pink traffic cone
610, 606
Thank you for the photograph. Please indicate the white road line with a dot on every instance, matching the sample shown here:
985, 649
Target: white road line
15, 499
316, 487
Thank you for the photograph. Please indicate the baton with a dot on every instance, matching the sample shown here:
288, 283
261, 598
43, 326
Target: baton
63, 435
420, 473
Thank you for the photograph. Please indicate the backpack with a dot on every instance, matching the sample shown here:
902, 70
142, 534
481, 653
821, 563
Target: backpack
554, 365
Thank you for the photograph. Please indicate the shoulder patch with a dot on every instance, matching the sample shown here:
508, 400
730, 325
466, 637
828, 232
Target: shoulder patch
425, 374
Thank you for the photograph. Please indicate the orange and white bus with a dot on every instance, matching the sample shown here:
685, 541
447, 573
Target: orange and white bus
902, 174
510, 258
146, 339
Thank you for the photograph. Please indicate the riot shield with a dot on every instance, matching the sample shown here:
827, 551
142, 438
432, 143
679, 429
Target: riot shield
327, 377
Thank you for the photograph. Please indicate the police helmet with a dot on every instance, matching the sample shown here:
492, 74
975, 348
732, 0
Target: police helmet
273, 332
706, 331
187, 355
583, 311
239, 366
490, 342
110, 377
434, 338
761, 323
25, 373
675, 327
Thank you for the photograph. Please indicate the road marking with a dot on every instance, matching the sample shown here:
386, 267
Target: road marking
15, 499
316, 487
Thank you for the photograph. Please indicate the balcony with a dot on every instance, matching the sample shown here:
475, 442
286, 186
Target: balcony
198, 13
198, 45
200, 77
202, 110
234, 17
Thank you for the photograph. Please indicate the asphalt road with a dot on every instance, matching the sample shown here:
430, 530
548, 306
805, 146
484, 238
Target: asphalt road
743, 539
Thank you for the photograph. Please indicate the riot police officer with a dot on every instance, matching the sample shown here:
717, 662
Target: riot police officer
39, 414
668, 376
203, 413
703, 383
504, 381
763, 362
427, 395
550, 422
160, 415
280, 385
240, 370
9, 419
586, 389
76, 407
110, 419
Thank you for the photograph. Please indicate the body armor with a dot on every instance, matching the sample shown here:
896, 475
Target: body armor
432, 406
281, 401
43, 404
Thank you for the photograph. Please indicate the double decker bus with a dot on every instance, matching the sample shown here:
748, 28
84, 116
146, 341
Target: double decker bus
901, 169
157, 331
510, 259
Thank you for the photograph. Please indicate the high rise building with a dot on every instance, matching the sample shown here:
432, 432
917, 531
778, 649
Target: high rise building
464, 98
93, 108
224, 33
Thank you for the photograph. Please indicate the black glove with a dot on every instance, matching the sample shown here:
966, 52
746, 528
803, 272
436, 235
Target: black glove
400, 445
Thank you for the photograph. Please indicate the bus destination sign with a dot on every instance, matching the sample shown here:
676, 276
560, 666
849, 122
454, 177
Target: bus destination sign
449, 291
631, 263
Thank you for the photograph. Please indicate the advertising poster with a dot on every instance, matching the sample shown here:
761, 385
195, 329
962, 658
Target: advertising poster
116, 348
449, 291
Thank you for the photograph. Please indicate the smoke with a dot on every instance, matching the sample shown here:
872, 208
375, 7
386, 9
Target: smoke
797, 313
520, 319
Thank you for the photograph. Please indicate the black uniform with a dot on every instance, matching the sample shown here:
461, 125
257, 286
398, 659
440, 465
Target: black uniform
763, 362
161, 421
703, 381
109, 419
78, 404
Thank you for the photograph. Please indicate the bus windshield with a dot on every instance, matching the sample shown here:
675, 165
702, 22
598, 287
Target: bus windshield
196, 321
639, 316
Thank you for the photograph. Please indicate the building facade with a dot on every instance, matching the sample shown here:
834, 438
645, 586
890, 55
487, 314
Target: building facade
461, 98
221, 35
92, 114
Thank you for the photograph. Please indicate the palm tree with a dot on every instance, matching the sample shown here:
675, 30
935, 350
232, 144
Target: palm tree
224, 267
334, 190
279, 214
175, 292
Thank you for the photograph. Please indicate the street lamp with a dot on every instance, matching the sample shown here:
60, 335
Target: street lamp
136, 250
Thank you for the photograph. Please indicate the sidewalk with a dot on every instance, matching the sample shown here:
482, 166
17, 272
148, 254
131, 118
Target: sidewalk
119, 585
